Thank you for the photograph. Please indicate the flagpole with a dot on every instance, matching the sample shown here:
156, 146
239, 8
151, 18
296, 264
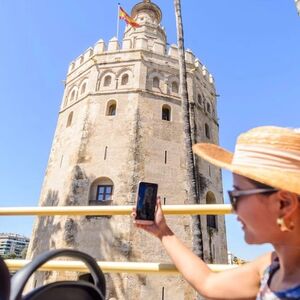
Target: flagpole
118, 21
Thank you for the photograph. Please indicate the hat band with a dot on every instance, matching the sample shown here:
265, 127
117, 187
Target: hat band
259, 156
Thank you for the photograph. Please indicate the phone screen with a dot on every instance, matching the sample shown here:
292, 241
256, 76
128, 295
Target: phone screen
146, 201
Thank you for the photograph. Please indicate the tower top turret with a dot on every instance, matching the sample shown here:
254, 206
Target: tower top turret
147, 5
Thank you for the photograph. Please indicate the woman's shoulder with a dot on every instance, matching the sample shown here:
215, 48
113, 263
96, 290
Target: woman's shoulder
264, 262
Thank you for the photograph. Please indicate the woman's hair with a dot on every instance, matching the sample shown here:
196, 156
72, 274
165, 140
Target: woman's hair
259, 185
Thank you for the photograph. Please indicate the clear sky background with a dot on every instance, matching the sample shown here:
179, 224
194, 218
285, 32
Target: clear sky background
251, 47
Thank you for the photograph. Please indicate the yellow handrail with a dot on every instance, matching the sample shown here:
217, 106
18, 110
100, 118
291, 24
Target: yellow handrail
111, 267
187, 209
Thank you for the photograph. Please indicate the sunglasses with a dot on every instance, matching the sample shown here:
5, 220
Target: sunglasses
234, 196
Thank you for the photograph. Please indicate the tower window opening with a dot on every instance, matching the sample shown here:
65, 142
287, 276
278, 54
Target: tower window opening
111, 108
61, 161
125, 79
208, 107
104, 192
70, 118
211, 220
155, 82
166, 113
207, 131
166, 157
175, 87
105, 153
200, 100
107, 80
83, 88
73, 94
101, 191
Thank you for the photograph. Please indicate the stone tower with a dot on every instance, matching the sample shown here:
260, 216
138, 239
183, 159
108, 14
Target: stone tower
120, 122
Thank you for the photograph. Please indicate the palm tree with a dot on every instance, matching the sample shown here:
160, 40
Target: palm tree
190, 163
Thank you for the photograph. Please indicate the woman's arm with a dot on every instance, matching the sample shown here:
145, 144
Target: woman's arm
239, 283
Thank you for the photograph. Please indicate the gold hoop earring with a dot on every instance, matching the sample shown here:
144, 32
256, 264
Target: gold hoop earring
283, 226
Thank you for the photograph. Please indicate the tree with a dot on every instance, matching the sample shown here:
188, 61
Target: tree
9, 256
190, 163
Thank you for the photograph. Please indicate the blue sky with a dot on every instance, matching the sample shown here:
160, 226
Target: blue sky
251, 47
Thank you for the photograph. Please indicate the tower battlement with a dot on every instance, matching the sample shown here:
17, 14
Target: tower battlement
141, 44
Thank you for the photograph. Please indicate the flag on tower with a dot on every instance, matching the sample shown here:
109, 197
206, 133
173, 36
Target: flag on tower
129, 20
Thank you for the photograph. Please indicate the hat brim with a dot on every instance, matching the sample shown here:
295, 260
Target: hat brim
280, 179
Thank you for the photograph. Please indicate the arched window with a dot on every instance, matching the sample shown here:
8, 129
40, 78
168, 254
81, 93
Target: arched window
83, 88
200, 100
70, 118
208, 107
72, 96
155, 82
175, 87
166, 113
207, 131
111, 109
211, 220
107, 80
101, 191
125, 79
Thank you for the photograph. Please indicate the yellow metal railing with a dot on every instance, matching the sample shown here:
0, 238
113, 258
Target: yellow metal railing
109, 267
189, 209
112, 267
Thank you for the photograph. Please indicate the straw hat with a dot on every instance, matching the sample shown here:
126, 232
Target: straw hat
268, 154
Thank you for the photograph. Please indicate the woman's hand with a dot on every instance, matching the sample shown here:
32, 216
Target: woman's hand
159, 228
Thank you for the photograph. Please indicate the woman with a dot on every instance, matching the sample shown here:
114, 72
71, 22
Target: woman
266, 175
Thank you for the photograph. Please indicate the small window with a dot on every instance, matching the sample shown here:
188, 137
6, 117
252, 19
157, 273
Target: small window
156, 82
175, 87
211, 220
125, 79
166, 113
208, 107
105, 152
104, 192
83, 88
200, 100
107, 80
207, 131
112, 109
70, 118
101, 191
73, 94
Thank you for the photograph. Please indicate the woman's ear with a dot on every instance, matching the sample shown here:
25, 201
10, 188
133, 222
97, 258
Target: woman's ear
288, 203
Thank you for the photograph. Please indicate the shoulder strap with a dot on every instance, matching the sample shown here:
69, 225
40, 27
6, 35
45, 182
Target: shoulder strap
20, 279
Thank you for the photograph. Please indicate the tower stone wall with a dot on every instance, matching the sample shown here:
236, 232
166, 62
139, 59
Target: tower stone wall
112, 130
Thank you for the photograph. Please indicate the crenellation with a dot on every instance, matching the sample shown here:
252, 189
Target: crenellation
189, 56
126, 44
99, 47
113, 45
87, 54
173, 51
71, 66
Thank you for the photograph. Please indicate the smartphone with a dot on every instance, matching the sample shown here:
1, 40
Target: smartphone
146, 203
